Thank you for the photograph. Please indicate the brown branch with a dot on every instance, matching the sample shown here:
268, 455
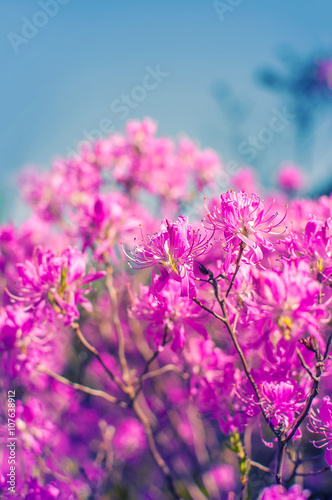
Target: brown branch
216, 315
153, 448
164, 369
245, 365
260, 466
80, 387
237, 267
94, 351
313, 393
148, 363
155, 354
116, 320
314, 473
305, 366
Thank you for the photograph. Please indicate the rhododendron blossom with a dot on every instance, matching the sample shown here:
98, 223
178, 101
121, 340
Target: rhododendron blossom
243, 218
172, 251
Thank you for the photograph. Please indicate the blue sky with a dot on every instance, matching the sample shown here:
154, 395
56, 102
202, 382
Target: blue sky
64, 79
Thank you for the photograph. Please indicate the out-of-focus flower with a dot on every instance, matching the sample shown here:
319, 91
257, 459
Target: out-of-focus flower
104, 220
290, 177
324, 72
38, 492
224, 476
129, 440
55, 284
245, 180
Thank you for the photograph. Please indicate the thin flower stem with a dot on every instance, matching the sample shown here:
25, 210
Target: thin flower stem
155, 354
148, 363
245, 365
139, 412
302, 461
237, 267
216, 315
280, 460
313, 393
305, 366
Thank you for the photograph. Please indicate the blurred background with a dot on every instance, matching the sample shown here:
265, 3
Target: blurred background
251, 79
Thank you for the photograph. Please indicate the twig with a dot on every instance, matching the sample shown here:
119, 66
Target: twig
83, 388
94, 351
156, 353
305, 366
216, 315
153, 448
260, 466
314, 473
116, 320
148, 363
164, 369
237, 267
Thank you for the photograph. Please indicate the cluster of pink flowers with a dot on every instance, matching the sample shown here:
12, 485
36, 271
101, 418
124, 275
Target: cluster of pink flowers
199, 370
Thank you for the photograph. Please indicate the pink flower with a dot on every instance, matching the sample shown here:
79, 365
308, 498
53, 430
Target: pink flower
37, 492
245, 179
54, 284
285, 303
129, 440
314, 244
321, 423
243, 218
105, 219
224, 476
324, 72
282, 400
167, 312
278, 492
172, 251
290, 177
